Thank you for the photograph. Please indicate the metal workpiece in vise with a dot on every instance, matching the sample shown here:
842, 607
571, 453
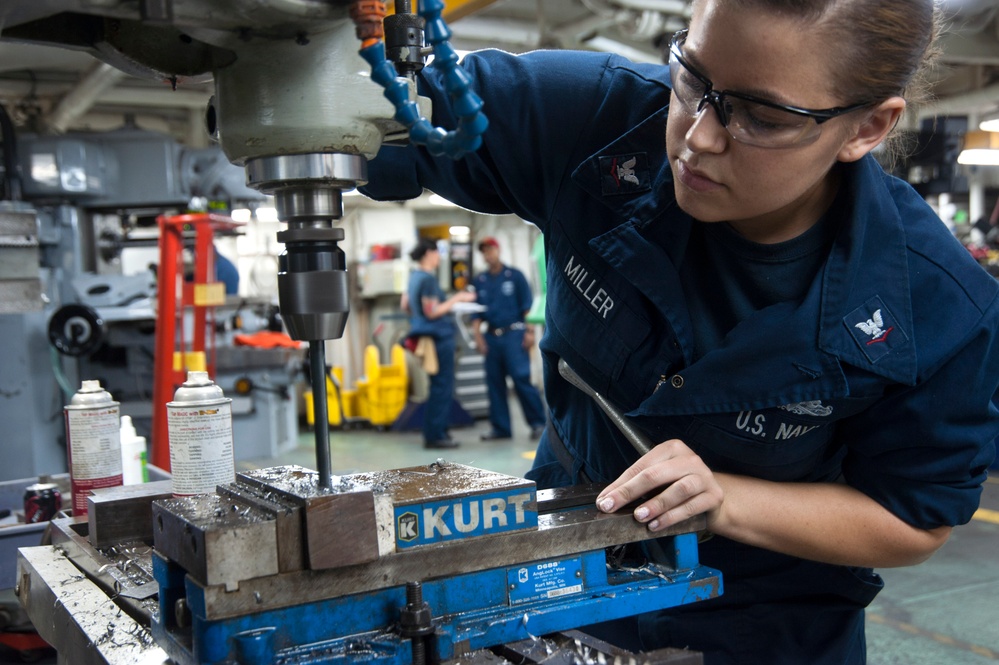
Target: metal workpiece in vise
442, 563
428, 564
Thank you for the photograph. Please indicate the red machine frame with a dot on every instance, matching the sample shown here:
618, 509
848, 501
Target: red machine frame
174, 296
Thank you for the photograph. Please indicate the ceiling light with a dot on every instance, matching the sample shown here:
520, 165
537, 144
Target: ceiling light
979, 148
979, 157
989, 123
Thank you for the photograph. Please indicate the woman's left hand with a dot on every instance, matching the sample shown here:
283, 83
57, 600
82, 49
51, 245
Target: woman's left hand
683, 485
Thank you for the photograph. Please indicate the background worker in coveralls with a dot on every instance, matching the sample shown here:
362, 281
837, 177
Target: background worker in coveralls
506, 342
729, 265
430, 316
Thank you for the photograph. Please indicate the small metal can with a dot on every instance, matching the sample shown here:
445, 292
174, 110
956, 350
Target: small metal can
199, 426
41, 502
93, 443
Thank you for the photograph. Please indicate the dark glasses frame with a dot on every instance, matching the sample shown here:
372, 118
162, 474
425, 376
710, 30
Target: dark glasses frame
717, 98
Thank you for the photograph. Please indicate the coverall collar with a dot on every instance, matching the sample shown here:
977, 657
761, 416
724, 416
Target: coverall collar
865, 280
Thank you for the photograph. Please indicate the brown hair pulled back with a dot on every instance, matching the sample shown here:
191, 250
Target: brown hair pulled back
877, 48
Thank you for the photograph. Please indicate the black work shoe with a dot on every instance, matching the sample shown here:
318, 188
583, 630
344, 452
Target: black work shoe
442, 443
494, 436
536, 432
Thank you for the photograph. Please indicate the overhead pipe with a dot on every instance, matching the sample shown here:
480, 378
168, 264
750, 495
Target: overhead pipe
82, 97
978, 101
607, 45
668, 7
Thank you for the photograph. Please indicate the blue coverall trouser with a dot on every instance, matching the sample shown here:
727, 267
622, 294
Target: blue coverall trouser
506, 356
437, 410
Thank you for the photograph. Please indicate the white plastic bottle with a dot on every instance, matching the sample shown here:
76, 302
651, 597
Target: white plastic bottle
133, 454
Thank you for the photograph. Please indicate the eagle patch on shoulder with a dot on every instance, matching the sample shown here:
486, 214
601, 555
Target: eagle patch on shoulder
874, 329
624, 174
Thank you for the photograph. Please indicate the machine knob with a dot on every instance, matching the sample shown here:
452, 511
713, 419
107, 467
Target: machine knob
76, 330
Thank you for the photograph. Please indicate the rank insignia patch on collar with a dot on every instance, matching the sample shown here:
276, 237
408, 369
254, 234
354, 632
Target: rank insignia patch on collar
874, 329
624, 174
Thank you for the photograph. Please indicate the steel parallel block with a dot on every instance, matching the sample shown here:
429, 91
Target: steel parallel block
217, 540
289, 522
116, 514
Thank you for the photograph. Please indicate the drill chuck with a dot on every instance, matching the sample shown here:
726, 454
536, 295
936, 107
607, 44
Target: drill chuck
312, 283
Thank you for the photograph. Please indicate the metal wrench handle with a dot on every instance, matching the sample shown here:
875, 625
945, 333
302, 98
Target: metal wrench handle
636, 438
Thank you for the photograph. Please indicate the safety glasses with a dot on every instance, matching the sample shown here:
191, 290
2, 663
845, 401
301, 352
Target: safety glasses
747, 119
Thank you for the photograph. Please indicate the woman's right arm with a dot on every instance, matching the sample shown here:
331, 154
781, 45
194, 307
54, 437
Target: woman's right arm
531, 142
435, 309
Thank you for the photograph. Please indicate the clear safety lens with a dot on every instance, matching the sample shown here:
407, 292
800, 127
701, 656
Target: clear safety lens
746, 121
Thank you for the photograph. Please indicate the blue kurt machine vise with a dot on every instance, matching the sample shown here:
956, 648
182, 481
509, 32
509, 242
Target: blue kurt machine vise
427, 564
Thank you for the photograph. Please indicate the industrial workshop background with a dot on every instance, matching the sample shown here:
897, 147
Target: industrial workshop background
106, 154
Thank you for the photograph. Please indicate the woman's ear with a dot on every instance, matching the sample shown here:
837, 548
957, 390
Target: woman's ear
872, 130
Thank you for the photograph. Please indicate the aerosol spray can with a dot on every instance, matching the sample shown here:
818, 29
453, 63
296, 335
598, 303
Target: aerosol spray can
93, 443
199, 424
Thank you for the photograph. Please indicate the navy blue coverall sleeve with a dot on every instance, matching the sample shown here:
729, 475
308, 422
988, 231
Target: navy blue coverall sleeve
918, 451
522, 163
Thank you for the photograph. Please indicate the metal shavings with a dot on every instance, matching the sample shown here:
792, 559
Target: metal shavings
71, 580
523, 622
648, 569
615, 555
141, 634
587, 654
619, 660
128, 565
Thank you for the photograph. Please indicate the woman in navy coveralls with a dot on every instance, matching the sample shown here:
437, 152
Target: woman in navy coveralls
430, 316
812, 347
